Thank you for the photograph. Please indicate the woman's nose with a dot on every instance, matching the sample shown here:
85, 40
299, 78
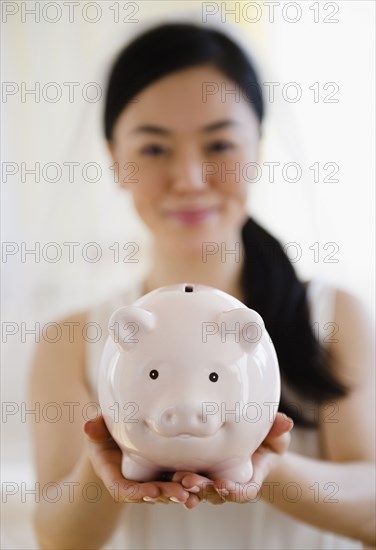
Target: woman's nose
188, 175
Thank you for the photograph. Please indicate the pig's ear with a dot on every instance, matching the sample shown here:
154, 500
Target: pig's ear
249, 330
128, 324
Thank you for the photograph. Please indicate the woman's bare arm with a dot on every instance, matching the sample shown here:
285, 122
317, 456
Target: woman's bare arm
338, 493
81, 458
75, 521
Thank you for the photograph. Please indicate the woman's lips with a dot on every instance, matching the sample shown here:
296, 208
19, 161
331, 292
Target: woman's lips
192, 217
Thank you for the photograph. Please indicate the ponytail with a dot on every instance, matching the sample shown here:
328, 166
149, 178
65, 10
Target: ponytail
272, 288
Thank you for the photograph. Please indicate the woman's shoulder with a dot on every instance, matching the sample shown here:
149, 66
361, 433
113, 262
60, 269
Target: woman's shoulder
345, 302
101, 310
319, 282
100, 306
68, 352
354, 346
58, 360
321, 297
344, 323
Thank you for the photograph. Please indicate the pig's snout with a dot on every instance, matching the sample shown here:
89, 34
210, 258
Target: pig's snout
181, 420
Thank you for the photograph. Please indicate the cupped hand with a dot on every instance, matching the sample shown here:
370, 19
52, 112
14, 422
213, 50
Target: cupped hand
264, 459
106, 457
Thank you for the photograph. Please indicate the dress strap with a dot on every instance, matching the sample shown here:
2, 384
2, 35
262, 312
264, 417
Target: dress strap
99, 315
321, 296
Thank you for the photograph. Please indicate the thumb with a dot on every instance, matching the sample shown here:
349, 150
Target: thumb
278, 439
282, 424
96, 430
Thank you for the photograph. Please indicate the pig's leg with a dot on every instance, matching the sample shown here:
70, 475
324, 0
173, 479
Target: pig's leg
241, 472
138, 469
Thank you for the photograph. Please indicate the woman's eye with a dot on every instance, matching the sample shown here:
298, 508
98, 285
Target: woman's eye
153, 150
221, 146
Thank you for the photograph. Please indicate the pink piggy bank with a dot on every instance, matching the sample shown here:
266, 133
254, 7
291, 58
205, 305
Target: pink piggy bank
189, 380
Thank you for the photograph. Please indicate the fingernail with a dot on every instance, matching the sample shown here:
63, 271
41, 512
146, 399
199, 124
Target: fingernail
223, 492
185, 496
194, 489
150, 499
290, 420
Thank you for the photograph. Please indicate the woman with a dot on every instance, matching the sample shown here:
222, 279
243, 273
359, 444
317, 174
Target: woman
184, 142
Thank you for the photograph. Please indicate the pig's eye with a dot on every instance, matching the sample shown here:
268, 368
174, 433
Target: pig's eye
213, 377
153, 374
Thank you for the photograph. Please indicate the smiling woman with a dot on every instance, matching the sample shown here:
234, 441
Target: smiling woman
178, 186
189, 148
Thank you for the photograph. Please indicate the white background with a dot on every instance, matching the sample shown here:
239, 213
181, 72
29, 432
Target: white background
305, 132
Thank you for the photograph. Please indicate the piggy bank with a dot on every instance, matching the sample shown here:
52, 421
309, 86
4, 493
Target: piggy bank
189, 380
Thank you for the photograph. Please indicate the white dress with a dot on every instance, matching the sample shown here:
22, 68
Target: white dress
255, 525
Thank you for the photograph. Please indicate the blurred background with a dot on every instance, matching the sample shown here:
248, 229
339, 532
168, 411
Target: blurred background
316, 62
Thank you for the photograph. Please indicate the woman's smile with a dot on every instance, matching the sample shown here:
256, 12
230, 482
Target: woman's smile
192, 216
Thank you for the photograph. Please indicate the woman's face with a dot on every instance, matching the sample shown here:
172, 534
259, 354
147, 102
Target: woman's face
183, 148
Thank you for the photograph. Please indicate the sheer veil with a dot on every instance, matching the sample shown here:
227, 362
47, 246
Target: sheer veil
281, 144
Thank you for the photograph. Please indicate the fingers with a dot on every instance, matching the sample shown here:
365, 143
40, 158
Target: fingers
199, 486
191, 481
219, 491
191, 502
124, 490
172, 491
106, 457
185, 488
239, 492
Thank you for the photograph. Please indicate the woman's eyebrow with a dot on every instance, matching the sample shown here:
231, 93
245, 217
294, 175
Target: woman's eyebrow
148, 129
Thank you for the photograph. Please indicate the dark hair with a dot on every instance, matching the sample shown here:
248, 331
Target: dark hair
269, 281
171, 47
273, 289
